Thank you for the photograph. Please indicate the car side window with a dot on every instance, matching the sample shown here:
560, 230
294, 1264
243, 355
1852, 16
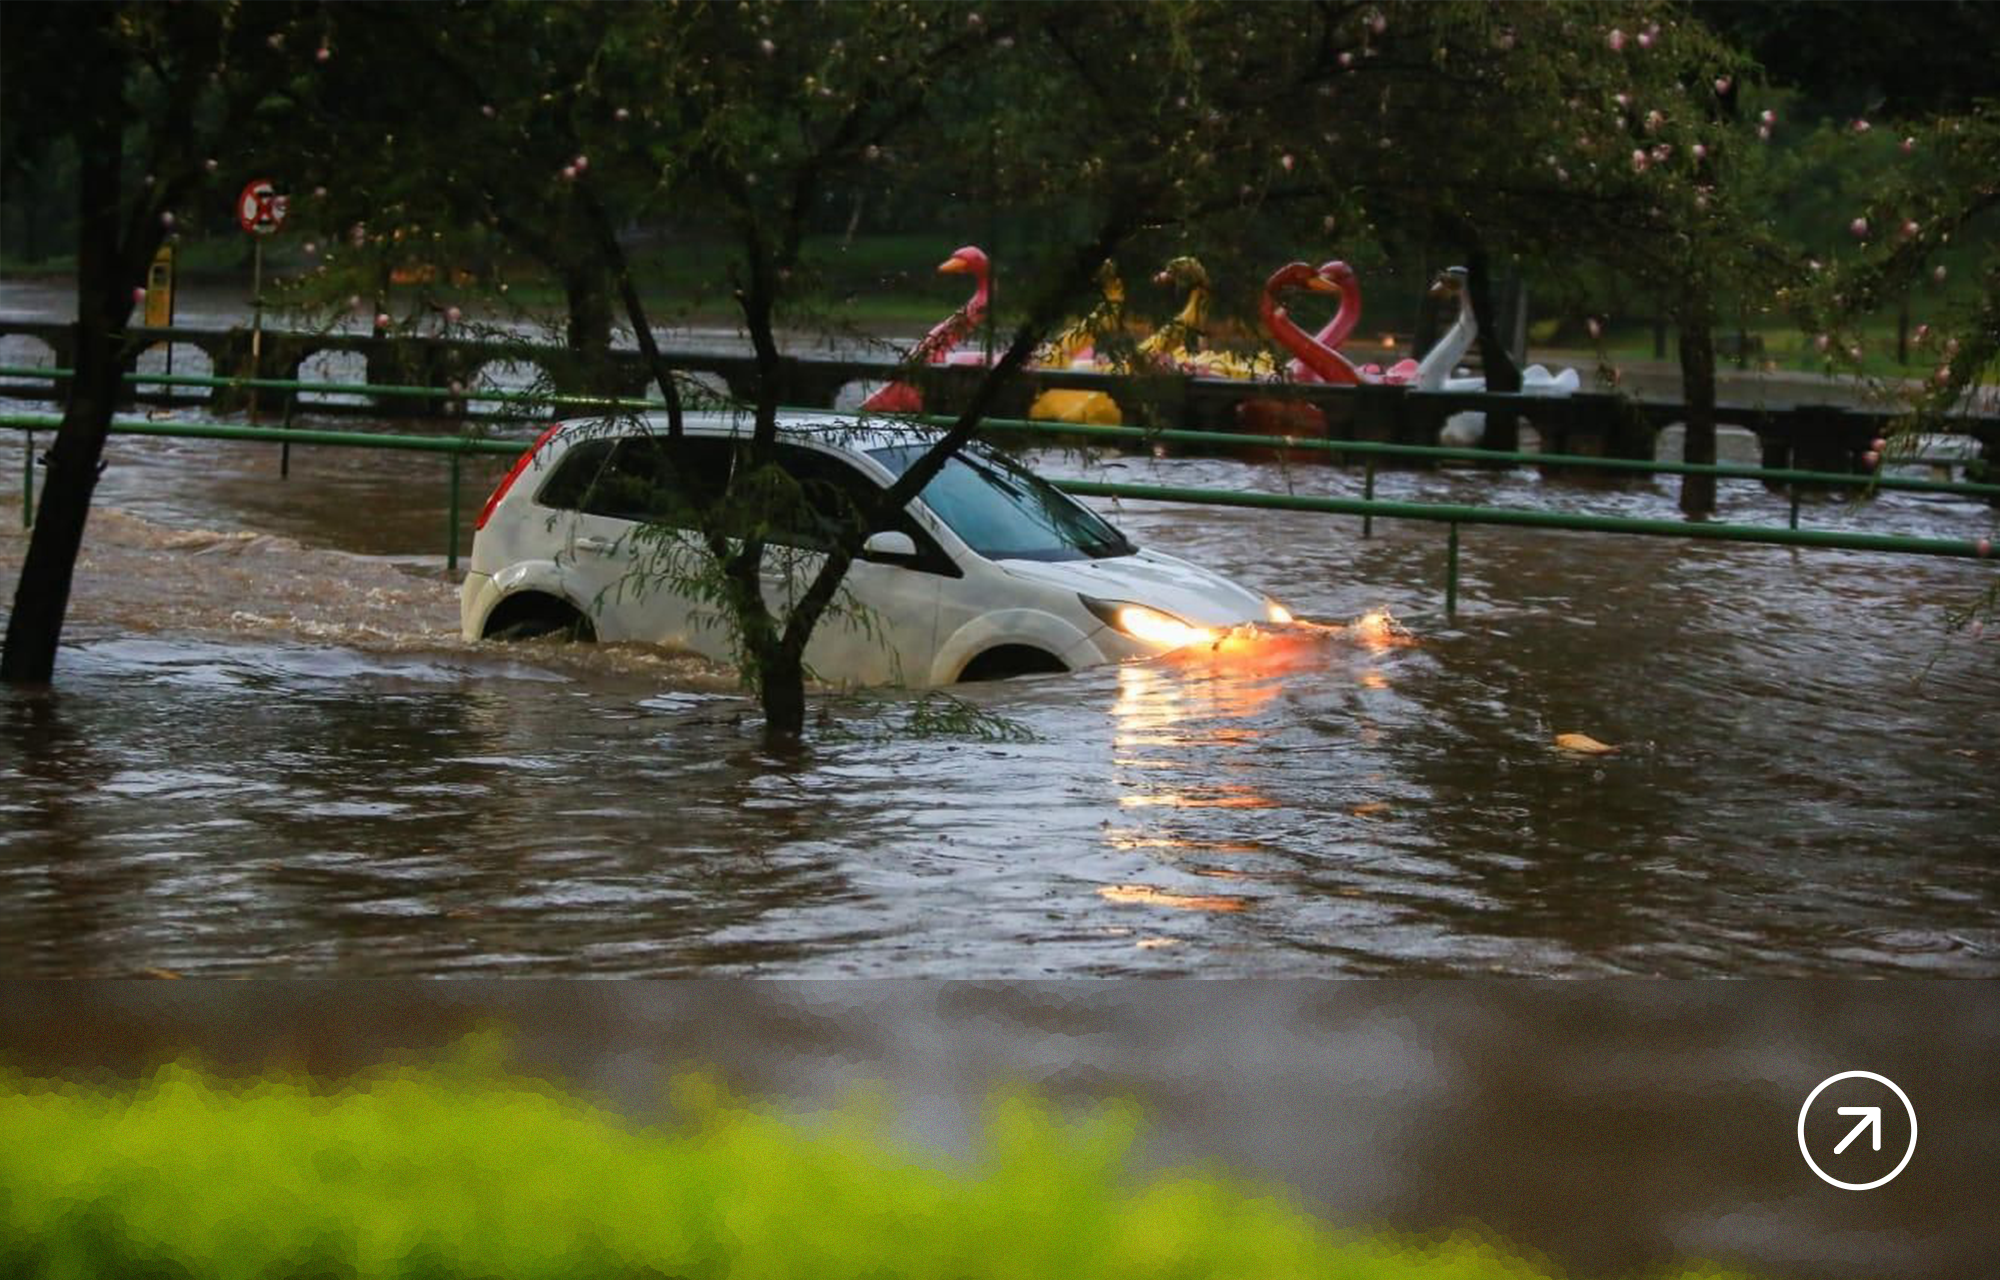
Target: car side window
639, 478
835, 496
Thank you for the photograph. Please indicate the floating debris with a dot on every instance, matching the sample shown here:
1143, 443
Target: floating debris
1583, 744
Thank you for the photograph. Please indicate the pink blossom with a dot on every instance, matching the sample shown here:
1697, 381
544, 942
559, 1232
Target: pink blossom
1923, 332
1595, 327
581, 163
382, 320
1638, 161
1939, 274
209, 164
167, 219
1878, 444
1645, 39
1859, 228
311, 248
1854, 352
1622, 99
1722, 84
621, 115
487, 111
1910, 228
1823, 342
1908, 145
1943, 375
1984, 547
1654, 120
1378, 22
1346, 59
324, 54
1871, 459
138, 297
1861, 126
1769, 116
766, 47
451, 315
1700, 151
1616, 40
569, 173
1764, 132
1285, 162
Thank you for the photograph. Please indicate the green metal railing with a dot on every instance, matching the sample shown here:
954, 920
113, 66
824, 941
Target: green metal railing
1451, 515
455, 446
1370, 450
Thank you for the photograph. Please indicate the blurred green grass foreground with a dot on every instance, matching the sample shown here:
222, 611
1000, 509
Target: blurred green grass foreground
464, 1170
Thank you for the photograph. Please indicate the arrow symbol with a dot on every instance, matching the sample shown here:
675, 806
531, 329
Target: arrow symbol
1871, 1117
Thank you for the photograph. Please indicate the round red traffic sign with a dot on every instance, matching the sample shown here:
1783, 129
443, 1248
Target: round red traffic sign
260, 210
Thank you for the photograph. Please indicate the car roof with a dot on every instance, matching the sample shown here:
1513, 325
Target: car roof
852, 433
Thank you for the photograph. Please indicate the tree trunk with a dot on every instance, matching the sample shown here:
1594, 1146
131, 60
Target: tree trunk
781, 687
1697, 342
104, 306
588, 334
1503, 430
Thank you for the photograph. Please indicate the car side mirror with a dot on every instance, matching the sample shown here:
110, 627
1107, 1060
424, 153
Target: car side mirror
890, 544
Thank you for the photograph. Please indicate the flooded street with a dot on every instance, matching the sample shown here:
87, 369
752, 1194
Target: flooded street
270, 754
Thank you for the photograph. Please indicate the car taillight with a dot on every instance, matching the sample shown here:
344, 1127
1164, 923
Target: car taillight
513, 474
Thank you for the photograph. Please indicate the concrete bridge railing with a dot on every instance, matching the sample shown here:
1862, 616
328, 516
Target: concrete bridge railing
1809, 437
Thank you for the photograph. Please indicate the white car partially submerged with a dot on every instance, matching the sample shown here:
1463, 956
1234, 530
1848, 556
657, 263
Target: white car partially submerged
990, 572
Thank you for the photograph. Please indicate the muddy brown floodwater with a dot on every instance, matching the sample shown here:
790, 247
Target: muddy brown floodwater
269, 753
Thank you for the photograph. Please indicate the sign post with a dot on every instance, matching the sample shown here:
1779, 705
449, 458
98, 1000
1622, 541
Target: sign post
260, 210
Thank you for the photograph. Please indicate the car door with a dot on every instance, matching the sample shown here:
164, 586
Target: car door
630, 555
882, 626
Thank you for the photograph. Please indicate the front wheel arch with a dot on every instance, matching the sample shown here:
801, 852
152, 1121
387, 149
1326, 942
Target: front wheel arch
1005, 661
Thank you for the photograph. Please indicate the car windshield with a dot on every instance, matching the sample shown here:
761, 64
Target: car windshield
1004, 512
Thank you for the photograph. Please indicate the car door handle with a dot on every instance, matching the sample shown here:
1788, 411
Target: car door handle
602, 546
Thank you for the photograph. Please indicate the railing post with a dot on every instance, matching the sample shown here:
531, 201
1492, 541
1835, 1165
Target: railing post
1368, 493
1794, 490
451, 542
1451, 573
28, 484
285, 449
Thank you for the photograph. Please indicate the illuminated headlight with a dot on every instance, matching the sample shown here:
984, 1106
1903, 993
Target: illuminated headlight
1275, 612
1148, 625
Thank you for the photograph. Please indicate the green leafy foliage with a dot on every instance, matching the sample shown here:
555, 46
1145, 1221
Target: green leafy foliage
463, 1171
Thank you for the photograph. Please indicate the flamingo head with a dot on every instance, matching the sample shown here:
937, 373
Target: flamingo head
1183, 271
1324, 278
1450, 281
969, 259
1336, 274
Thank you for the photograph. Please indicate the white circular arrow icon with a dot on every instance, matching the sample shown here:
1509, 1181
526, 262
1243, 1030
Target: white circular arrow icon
1871, 1121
